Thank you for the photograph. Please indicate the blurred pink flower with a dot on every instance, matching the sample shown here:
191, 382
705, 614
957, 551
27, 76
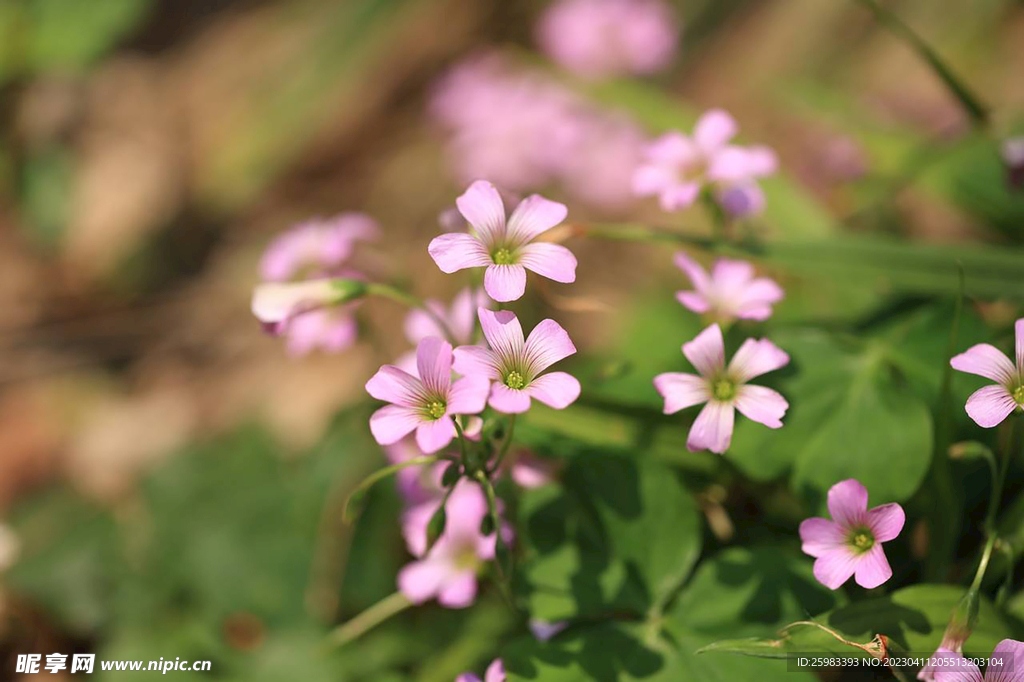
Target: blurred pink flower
460, 317
516, 365
724, 389
315, 248
424, 403
599, 170
851, 543
731, 291
495, 673
416, 484
308, 314
990, 405
506, 250
678, 167
602, 38
449, 570
1006, 664
330, 330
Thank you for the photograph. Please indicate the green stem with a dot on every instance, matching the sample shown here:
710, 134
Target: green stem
383, 473
505, 444
504, 581
405, 298
986, 555
368, 619
632, 232
969, 102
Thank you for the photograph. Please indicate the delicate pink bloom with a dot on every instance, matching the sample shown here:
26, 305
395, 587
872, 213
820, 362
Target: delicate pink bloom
990, 405
309, 314
315, 248
724, 389
516, 365
424, 403
601, 38
599, 170
506, 250
851, 543
495, 673
460, 317
730, 291
449, 570
1006, 664
543, 630
330, 330
677, 167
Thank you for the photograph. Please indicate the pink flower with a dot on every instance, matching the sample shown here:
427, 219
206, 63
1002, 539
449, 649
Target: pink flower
516, 365
449, 570
316, 247
506, 250
329, 330
723, 388
1006, 664
460, 317
851, 543
424, 403
990, 405
601, 38
416, 484
495, 673
677, 167
731, 291
309, 314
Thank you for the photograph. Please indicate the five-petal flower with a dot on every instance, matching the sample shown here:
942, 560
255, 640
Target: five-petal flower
729, 291
990, 405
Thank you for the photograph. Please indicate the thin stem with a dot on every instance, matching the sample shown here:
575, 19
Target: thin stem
383, 473
462, 443
368, 619
405, 298
632, 232
983, 565
505, 444
492, 508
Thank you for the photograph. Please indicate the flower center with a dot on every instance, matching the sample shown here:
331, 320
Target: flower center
724, 390
515, 380
862, 539
436, 409
1018, 395
503, 256
466, 559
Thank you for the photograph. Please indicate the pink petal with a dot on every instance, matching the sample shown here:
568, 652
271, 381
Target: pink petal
985, 360
507, 400
990, 405
834, 568
503, 332
679, 196
549, 260
762, 161
482, 207
672, 149
649, 180
495, 671
469, 395
756, 357
848, 503
320, 329
731, 275
395, 386
419, 324
432, 435
466, 508
960, 670
467, 677
533, 216
712, 430
555, 389
693, 301
475, 361
462, 316
872, 568
762, 405
755, 303
505, 283
730, 164
741, 199
547, 344
459, 591
1018, 334
1009, 663
277, 301
886, 521
434, 364
714, 129
697, 274
421, 580
453, 252
707, 351
392, 423
820, 536
681, 390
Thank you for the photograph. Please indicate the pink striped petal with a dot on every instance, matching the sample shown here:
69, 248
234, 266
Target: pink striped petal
834, 568
505, 283
434, 364
697, 274
547, 344
469, 395
693, 301
507, 400
681, 390
712, 430
1008, 665
707, 351
714, 128
886, 521
534, 216
454, 252
395, 386
756, 357
503, 332
421, 580
762, 405
392, 423
678, 196
459, 591
990, 405
432, 435
987, 361
482, 207
848, 503
820, 536
475, 361
953, 667
549, 260
872, 568
555, 389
